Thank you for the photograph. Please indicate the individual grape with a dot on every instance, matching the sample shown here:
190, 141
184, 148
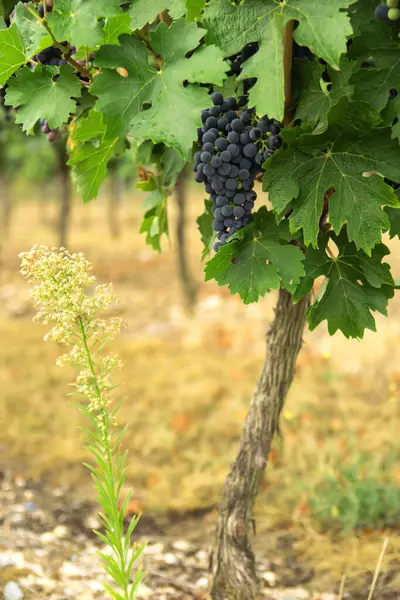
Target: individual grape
208, 170
215, 111
237, 125
238, 223
211, 122
248, 184
226, 156
41, 11
222, 123
239, 198
52, 136
209, 137
245, 117
233, 149
275, 129
244, 174
394, 14
208, 147
231, 102
250, 150
274, 142
381, 12
45, 127
251, 195
264, 126
228, 128
218, 225
236, 159
199, 177
231, 184
221, 143
216, 162
217, 185
204, 115
221, 200
230, 115
219, 215
225, 168
208, 188
217, 98
196, 154
234, 172
249, 205
245, 163
229, 222
205, 157
217, 246
259, 159
239, 212
213, 197
255, 134
244, 138
227, 211
233, 137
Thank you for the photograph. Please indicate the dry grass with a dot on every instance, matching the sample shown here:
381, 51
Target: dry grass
188, 380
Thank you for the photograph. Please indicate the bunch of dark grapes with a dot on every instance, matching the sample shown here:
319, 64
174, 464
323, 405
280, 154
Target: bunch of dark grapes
388, 11
52, 135
235, 143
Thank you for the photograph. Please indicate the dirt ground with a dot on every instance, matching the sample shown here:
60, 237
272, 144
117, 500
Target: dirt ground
188, 379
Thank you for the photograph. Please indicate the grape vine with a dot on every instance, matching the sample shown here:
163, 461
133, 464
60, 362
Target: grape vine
137, 76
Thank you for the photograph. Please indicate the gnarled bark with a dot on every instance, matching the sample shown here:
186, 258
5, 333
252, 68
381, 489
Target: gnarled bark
233, 562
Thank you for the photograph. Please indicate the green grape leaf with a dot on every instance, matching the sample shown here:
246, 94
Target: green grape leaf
93, 149
175, 110
43, 93
356, 285
316, 98
172, 165
78, 20
35, 36
204, 223
231, 27
194, 9
338, 159
259, 262
394, 217
143, 11
374, 81
12, 52
116, 26
155, 221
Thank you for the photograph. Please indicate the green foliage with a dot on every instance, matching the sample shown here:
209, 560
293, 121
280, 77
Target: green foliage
148, 71
258, 261
358, 494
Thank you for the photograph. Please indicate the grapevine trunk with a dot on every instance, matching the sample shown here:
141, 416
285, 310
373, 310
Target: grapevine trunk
234, 575
189, 286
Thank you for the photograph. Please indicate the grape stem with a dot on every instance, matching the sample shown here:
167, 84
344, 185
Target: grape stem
63, 49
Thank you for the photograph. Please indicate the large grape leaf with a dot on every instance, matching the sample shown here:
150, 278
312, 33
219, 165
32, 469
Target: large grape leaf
145, 11
93, 148
12, 52
78, 20
340, 158
356, 286
47, 93
315, 95
231, 27
173, 115
263, 260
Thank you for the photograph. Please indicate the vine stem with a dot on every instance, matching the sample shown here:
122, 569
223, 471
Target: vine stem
233, 565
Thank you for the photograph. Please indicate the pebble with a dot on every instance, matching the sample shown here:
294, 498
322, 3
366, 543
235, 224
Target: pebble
11, 559
170, 559
144, 591
181, 545
270, 578
202, 583
12, 591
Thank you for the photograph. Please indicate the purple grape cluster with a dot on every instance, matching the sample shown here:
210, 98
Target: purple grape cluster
52, 135
235, 143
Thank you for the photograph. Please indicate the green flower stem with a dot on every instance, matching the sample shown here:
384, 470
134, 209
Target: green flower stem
113, 497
